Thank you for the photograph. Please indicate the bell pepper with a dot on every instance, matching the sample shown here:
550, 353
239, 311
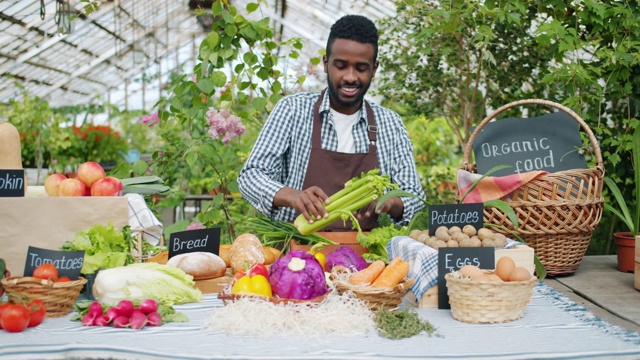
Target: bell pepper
256, 284
255, 269
317, 253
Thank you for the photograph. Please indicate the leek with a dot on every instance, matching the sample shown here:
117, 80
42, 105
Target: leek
356, 194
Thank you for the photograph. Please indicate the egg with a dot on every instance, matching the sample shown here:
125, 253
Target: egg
471, 271
520, 274
494, 277
504, 267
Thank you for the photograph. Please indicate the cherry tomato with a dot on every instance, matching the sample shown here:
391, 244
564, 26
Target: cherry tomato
37, 312
15, 318
2, 307
63, 279
46, 271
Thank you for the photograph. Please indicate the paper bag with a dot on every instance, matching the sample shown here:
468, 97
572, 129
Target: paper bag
47, 222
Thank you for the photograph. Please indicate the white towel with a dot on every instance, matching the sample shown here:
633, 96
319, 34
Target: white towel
141, 218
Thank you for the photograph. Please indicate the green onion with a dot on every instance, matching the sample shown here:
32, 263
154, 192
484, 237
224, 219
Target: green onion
278, 233
357, 193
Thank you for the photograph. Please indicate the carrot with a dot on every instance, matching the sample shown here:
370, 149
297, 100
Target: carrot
393, 274
368, 275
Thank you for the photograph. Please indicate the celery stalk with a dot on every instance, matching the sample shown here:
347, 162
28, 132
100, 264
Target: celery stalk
354, 195
306, 228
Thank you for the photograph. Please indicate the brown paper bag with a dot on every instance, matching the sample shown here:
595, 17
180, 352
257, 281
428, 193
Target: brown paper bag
47, 222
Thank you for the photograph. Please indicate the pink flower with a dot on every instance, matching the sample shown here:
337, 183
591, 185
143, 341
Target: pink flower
196, 226
151, 119
224, 124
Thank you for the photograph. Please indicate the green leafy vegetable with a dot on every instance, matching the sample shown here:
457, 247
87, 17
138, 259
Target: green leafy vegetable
400, 324
376, 241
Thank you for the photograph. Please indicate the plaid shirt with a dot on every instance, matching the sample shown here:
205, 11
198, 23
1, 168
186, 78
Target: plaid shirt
281, 153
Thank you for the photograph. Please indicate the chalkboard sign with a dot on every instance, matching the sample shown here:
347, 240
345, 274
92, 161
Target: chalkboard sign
548, 142
12, 183
452, 259
455, 215
204, 240
68, 263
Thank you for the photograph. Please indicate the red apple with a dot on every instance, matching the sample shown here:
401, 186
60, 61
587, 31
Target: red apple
109, 186
52, 182
90, 172
71, 187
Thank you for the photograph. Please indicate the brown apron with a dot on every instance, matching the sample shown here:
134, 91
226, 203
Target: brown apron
330, 170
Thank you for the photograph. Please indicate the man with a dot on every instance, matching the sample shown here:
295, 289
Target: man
312, 143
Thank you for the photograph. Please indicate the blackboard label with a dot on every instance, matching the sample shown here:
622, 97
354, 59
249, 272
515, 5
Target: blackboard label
204, 240
548, 142
452, 259
455, 215
68, 263
12, 183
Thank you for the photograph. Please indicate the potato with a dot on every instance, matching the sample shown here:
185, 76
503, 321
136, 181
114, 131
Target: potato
423, 238
458, 236
414, 234
485, 233
452, 243
499, 240
443, 234
439, 244
454, 229
469, 230
475, 242
488, 243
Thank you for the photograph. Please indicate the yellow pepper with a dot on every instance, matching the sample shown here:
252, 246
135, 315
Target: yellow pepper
315, 251
256, 284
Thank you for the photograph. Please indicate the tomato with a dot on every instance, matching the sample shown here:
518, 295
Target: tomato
37, 312
255, 269
46, 271
15, 318
63, 279
2, 307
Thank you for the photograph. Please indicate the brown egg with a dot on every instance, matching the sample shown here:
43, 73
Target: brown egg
471, 271
504, 267
494, 277
520, 274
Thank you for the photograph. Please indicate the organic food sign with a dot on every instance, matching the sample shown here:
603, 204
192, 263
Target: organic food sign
201, 240
12, 183
452, 259
455, 215
68, 263
549, 143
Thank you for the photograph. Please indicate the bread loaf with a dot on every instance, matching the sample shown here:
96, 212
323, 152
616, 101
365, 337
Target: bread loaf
200, 265
245, 248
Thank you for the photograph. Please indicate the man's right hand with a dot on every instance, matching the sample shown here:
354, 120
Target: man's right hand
308, 202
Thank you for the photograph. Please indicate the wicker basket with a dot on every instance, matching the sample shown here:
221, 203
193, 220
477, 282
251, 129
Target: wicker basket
375, 297
487, 302
557, 212
58, 298
227, 298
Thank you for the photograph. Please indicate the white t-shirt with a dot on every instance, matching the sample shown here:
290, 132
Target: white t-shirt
344, 125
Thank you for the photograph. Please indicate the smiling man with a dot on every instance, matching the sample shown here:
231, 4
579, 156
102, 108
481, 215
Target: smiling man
312, 143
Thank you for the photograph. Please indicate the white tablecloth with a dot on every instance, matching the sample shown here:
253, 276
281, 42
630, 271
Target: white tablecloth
553, 327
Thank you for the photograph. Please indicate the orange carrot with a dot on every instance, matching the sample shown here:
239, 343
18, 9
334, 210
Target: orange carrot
393, 274
368, 275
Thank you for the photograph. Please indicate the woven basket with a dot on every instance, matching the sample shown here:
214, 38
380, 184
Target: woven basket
488, 302
375, 297
227, 298
58, 298
557, 212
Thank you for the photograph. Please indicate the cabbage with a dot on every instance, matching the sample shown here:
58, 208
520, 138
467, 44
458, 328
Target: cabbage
297, 275
346, 257
166, 284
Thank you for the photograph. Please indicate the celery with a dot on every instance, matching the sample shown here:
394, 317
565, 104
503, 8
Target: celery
356, 194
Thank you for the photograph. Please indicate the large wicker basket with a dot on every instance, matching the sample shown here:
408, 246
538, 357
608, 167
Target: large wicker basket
58, 297
557, 212
375, 297
487, 302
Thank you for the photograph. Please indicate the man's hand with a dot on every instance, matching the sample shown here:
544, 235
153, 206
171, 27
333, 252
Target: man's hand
394, 207
309, 202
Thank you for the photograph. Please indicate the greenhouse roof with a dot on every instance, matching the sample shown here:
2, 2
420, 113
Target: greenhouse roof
105, 56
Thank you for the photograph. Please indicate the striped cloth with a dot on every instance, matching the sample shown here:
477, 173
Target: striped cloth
492, 187
141, 218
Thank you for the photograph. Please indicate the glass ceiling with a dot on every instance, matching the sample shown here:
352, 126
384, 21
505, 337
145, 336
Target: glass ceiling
121, 53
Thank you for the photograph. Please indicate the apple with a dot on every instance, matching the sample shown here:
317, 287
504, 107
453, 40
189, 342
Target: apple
90, 172
109, 186
52, 182
71, 187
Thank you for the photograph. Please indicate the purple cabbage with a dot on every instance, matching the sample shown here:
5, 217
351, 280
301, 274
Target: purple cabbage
304, 284
346, 257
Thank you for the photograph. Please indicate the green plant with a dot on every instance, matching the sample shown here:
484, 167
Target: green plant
630, 219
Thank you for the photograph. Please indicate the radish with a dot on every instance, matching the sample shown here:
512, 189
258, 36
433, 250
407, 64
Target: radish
101, 320
88, 319
95, 308
121, 322
148, 306
138, 320
111, 314
137, 311
125, 307
154, 319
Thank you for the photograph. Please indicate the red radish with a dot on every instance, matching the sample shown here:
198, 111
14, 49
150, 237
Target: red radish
111, 314
121, 322
88, 319
138, 311
95, 308
101, 320
138, 320
154, 319
125, 307
149, 306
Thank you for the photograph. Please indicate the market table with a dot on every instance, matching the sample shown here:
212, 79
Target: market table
553, 327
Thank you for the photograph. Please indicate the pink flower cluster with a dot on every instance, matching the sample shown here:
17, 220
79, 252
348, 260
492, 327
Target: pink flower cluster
195, 226
151, 119
223, 124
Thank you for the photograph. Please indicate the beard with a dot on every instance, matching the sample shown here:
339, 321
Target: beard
334, 94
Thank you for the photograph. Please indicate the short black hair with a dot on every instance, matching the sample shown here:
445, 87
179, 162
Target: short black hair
357, 28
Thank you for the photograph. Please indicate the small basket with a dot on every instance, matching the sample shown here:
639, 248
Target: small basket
375, 297
557, 212
227, 298
488, 302
58, 297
